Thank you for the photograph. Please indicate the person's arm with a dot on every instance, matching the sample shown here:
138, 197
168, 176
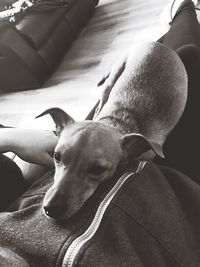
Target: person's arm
31, 172
34, 146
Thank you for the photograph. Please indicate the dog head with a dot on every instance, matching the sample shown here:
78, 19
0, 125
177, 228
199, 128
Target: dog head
87, 154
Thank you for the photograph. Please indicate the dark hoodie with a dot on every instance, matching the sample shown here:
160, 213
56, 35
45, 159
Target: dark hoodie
152, 218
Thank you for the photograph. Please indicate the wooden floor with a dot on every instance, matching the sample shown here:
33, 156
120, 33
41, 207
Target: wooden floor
117, 26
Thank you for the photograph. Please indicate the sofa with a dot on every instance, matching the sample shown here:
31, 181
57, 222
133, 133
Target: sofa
32, 46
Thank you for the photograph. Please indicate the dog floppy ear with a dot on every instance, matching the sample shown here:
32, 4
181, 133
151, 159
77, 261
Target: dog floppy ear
60, 117
135, 146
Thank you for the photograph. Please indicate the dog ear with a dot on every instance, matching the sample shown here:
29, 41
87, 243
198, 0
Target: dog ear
136, 145
60, 117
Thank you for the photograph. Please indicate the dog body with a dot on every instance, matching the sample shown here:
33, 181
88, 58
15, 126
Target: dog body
143, 98
136, 97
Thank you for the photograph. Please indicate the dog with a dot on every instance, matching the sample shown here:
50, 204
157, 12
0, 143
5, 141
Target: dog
143, 98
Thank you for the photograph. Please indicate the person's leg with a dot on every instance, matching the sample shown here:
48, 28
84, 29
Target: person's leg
184, 27
181, 148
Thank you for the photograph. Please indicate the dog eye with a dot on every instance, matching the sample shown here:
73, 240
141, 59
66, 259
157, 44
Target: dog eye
57, 157
96, 170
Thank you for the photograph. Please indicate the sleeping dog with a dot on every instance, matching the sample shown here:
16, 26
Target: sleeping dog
143, 98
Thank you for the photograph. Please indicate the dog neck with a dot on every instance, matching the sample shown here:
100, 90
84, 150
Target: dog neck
123, 126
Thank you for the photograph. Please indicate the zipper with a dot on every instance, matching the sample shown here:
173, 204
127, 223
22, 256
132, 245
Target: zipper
16, 8
78, 243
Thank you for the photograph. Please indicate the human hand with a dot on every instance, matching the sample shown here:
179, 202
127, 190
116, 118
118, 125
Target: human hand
31, 145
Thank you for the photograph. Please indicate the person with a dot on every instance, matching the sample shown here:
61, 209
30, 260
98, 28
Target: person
153, 218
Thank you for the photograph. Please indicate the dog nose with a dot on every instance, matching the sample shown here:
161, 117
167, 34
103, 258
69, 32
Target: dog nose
52, 211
